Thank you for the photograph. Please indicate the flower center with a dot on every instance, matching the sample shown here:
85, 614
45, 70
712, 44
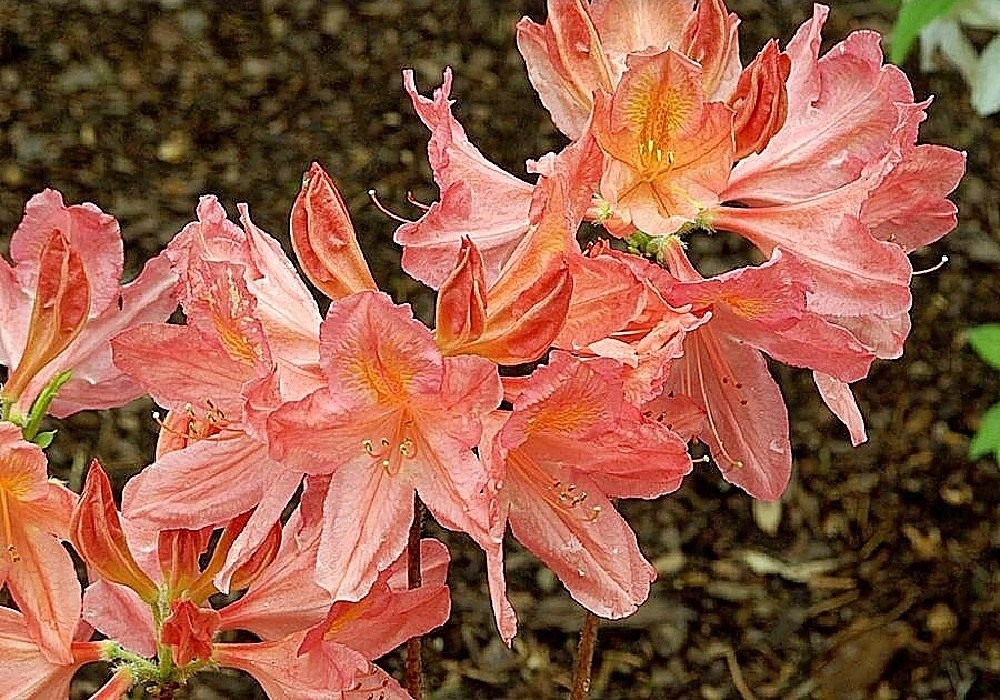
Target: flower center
389, 452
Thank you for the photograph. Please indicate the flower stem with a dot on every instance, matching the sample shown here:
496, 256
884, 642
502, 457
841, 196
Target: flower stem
414, 666
585, 658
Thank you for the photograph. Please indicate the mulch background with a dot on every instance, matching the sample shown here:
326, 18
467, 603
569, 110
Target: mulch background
878, 576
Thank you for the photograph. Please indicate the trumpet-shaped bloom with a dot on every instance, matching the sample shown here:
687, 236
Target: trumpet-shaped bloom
312, 644
478, 200
669, 151
251, 341
570, 444
584, 48
29, 673
723, 372
394, 417
36, 568
62, 303
842, 169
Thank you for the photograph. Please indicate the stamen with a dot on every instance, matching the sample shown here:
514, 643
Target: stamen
408, 448
212, 424
941, 263
736, 463
415, 202
373, 195
8, 530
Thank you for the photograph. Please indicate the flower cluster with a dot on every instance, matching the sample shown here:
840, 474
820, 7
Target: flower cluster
557, 379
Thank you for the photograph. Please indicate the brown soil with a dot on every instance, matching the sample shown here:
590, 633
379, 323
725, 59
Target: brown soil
882, 577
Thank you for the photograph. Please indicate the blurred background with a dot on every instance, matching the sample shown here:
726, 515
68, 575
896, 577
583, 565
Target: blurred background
879, 573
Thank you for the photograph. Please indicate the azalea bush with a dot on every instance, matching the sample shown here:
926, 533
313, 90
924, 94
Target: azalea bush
278, 530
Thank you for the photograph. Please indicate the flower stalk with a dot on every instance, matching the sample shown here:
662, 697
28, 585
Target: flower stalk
414, 662
583, 669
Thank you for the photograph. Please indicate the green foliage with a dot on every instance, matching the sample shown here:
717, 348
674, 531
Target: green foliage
985, 340
913, 16
45, 439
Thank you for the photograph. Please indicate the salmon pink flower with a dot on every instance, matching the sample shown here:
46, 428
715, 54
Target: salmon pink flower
37, 570
28, 672
312, 646
335, 653
570, 445
394, 418
670, 151
722, 370
478, 200
62, 303
584, 47
251, 341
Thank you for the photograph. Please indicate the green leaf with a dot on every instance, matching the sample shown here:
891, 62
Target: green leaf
985, 341
987, 438
913, 16
43, 440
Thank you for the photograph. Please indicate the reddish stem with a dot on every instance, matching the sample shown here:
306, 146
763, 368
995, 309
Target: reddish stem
414, 667
585, 658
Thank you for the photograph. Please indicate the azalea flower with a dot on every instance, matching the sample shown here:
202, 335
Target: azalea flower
37, 570
62, 303
28, 672
722, 370
250, 342
311, 645
394, 418
571, 444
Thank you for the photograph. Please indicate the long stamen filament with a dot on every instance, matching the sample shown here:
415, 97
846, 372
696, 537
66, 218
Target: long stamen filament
8, 530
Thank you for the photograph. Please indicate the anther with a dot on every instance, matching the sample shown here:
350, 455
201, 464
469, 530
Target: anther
407, 448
